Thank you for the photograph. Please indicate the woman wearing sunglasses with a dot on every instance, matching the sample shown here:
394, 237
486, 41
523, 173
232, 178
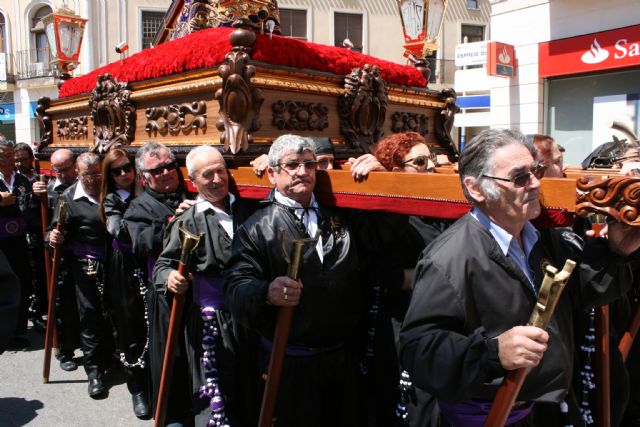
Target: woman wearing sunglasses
124, 284
403, 152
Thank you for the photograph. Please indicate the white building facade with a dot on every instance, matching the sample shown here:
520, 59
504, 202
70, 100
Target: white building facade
578, 69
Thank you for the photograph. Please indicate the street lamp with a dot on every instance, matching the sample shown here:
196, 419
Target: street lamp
64, 30
242, 10
421, 22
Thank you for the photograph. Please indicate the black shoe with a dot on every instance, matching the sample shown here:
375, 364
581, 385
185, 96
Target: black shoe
96, 388
39, 325
19, 343
140, 405
67, 363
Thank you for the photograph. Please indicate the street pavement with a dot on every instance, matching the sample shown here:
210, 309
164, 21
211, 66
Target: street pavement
63, 402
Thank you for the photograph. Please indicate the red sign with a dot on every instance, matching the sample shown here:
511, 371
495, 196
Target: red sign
501, 59
592, 52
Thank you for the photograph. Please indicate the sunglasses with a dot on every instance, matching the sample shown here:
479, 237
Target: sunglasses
292, 165
157, 171
523, 179
420, 161
117, 171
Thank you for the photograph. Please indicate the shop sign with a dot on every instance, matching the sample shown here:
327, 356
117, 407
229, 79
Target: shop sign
471, 54
7, 112
591, 52
501, 59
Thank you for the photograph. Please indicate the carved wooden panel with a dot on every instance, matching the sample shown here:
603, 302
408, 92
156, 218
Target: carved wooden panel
410, 122
73, 128
113, 114
239, 102
617, 197
300, 116
363, 107
44, 123
176, 118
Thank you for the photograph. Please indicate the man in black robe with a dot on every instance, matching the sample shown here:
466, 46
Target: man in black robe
63, 165
85, 235
15, 201
476, 286
215, 216
318, 383
146, 220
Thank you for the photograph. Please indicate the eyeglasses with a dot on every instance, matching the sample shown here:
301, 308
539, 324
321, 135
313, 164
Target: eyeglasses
91, 176
157, 171
523, 179
323, 164
62, 169
292, 165
118, 170
420, 161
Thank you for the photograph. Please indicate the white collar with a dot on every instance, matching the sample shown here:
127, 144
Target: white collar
124, 194
202, 205
284, 200
80, 193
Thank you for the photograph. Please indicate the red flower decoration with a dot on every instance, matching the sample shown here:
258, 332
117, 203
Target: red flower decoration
207, 48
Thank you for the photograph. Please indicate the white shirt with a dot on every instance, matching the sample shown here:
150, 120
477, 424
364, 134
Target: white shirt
225, 220
310, 220
80, 193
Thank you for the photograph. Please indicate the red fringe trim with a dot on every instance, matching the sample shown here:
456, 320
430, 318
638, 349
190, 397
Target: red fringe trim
207, 48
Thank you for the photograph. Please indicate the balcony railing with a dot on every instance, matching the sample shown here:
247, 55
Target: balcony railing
33, 63
7, 68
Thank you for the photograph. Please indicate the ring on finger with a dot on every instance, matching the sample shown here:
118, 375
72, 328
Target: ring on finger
286, 297
284, 290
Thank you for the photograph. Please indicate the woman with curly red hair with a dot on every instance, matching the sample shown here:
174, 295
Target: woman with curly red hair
405, 152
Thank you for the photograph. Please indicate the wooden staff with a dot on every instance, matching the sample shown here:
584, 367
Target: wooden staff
53, 278
630, 334
188, 243
550, 291
281, 334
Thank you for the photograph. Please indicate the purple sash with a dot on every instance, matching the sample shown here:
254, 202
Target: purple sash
299, 350
117, 245
208, 291
472, 413
151, 262
12, 227
85, 250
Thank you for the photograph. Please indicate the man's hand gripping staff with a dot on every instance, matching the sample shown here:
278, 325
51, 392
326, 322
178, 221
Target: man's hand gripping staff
550, 292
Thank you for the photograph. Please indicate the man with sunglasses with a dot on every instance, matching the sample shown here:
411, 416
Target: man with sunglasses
84, 237
476, 285
318, 383
63, 166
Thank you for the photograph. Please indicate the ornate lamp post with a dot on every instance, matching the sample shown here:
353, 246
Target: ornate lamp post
64, 30
421, 22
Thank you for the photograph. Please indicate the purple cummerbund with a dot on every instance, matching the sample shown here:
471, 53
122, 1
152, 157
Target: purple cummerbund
208, 291
117, 245
12, 227
300, 350
85, 250
473, 413
151, 262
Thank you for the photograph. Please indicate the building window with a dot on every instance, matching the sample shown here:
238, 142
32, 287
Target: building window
472, 33
472, 4
3, 34
40, 46
150, 25
293, 23
348, 27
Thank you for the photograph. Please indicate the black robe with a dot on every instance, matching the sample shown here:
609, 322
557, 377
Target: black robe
209, 259
319, 388
124, 286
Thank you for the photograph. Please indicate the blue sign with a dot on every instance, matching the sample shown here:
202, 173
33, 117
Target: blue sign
7, 112
475, 101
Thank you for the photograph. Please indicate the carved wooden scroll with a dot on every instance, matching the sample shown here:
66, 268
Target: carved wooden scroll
363, 107
113, 114
239, 102
444, 120
73, 128
410, 122
299, 115
44, 123
617, 197
176, 118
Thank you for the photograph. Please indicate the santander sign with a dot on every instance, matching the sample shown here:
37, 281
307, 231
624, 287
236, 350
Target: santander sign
618, 48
